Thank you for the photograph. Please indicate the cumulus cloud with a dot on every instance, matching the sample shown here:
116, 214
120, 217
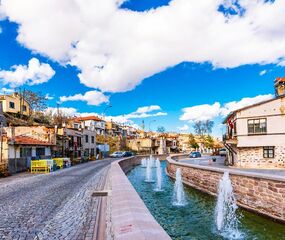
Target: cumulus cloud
91, 97
185, 127
209, 112
201, 112
48, 97
141, 112
68, 111
244, 102
262, 72
32, 74
115, 49
6, 90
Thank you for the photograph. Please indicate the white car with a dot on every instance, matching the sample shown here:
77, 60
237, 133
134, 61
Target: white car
117, 154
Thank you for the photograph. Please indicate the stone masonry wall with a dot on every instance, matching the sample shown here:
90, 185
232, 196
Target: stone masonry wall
255, 193
253, 158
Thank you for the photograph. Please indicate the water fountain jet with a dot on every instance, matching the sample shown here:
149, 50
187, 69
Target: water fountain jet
143, 163
226, 218
148, 176
158, 187
179, 194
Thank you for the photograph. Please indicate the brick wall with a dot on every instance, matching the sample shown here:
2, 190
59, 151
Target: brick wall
255, 192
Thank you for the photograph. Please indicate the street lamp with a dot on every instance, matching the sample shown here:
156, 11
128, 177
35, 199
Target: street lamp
104, 114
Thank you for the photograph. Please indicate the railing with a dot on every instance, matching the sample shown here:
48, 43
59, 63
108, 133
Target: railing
229, 137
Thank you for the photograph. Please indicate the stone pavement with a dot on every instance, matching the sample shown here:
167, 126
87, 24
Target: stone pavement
52, 206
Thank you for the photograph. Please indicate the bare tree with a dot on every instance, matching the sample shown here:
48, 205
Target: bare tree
203, 127
161, 129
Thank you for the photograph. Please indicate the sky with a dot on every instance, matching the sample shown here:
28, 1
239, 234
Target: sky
167, 63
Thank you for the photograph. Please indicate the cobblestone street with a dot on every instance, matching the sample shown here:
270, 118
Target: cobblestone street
51, 206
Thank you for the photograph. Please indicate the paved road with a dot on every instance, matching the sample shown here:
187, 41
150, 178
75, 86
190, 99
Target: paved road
51, 206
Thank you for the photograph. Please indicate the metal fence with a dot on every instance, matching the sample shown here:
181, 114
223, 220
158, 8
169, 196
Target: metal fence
16, 165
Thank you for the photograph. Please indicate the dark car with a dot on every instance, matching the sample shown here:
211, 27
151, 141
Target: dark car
128, 154
195, 155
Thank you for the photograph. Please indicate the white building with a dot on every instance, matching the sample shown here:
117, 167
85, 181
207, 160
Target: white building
256, 135
93, 122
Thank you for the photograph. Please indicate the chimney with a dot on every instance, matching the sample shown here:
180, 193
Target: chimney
279, 85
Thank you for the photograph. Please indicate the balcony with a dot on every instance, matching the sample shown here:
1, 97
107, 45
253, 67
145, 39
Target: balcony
230, 139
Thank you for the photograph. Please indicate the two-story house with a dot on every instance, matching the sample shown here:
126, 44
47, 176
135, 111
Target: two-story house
15, 104
94, 122
256, 134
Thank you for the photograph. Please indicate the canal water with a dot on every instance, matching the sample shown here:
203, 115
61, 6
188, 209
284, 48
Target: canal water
196, 220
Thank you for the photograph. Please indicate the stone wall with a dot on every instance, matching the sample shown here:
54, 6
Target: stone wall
256, 192
129, 217
253, 158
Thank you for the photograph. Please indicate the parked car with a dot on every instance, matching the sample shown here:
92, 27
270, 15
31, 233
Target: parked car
117, 154
195, 155
128, 154
223, 152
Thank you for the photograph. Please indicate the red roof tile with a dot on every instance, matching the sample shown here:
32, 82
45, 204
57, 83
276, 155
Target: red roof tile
24, 140
95, 118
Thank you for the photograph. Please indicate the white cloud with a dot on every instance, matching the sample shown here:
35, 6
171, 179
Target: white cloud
141, 112
69, 111
32, 74
115, 49
209, 112
185, 127
91, 97
244, 102
201, 112
262, 72
7, 90
148, 109
48, 97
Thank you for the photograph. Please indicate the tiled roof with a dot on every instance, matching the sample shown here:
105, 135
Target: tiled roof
95, 118
25, 140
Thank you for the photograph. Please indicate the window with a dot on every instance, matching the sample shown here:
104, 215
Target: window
12, 105
25, 152
79, 142
24, 108
92, 152
257, 126
40, 152
86, 138
268, 152
92, 139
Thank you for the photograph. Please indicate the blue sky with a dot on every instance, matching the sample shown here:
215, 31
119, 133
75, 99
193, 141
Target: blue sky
173, 87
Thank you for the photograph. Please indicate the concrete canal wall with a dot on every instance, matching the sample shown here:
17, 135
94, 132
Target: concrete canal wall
129, 217
261, 193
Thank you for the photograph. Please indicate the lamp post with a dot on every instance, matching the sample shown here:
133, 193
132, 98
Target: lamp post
104, 114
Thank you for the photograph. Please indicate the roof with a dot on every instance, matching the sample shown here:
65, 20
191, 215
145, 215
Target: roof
88, 118
251, 106
25, 140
